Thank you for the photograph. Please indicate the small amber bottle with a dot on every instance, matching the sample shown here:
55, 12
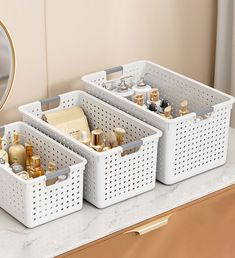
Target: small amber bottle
36, 170
29, 155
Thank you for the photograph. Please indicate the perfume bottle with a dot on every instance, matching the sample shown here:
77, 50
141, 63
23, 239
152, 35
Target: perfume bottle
124, 90
51, 168
17, 154
36, 170
97, 142
154, 98
142, 88
167, 112
3, 153
183, 108
29, 155
120, 134
164, 104
139, 100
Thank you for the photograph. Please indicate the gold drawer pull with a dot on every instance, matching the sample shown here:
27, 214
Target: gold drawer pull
150, 226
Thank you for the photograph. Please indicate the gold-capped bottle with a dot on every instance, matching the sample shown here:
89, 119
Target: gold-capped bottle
167, 112
139, 100
97, 142
17, 154
183, 108
154, 98
29, 155
36, 170
120, 134
3, 153
51, 168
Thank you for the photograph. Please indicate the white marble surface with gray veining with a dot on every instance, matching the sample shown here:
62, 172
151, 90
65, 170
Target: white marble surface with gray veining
90, 224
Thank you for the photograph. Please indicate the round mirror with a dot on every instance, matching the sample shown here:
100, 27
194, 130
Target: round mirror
7, 64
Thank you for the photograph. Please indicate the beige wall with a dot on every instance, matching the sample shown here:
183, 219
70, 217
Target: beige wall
86, 36
25, 22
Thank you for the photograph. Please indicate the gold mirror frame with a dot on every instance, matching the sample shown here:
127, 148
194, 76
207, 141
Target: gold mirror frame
12, 70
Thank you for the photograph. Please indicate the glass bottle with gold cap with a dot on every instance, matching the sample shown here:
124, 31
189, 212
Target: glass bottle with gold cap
154, 98
17, 154
36, 170
97, 142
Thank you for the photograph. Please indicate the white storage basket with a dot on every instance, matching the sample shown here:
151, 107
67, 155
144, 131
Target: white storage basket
32, 202
109, 177
190, 144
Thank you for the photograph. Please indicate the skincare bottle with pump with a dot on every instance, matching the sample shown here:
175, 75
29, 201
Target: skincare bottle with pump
142, 88
3, 153
154, 98
17, 154
183, 108
124, 90
139, 100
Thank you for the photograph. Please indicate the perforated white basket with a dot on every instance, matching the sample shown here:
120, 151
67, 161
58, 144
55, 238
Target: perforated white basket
110, 177
190, 144
32, 202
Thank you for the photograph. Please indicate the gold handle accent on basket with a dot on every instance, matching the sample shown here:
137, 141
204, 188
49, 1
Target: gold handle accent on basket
150, 226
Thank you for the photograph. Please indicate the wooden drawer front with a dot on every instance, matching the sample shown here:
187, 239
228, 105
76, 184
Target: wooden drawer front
203, 230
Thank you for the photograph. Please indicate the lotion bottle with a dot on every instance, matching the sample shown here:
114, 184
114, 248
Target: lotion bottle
142, 88
124, 90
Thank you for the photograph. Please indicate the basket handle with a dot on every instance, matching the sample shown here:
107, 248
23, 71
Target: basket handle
57, 173
50, 100
114, 70
2, 131
204, 111
132, 145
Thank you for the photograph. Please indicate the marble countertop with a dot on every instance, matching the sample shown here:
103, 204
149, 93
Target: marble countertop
90, 224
